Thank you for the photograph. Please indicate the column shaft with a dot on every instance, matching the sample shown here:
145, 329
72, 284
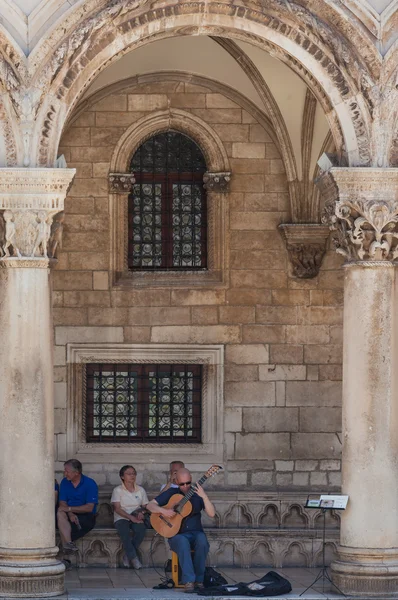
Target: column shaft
27, 527
369, 531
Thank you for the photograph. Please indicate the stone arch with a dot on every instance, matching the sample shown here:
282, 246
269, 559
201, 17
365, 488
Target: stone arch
295, 555
178, 120
310, 48
295, 518
262, 555
332, 520
97, 554
331, 554
13, 75
270, 517
238, 516
270, 122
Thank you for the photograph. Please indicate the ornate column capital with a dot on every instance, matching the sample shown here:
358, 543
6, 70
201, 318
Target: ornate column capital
29, 201
361, 207
121, 183
217, 182
306, 246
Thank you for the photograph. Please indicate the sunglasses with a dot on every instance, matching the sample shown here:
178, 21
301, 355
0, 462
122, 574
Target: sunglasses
185, 483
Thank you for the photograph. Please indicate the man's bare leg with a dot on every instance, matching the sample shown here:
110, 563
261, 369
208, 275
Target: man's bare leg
64, 526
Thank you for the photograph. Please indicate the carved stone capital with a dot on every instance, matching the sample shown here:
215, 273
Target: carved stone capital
121, 183
361, 208
29, 200
306, 246
217, 182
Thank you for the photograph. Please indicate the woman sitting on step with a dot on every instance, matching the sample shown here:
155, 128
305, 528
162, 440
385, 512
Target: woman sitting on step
126, 498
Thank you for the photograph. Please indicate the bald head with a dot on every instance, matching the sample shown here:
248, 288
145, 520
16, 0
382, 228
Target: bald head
184, 476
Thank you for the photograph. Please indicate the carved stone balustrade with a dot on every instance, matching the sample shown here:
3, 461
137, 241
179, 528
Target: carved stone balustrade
361, 208
306, 246
29, 201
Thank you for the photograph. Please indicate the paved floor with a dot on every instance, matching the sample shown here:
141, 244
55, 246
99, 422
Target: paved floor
121, 584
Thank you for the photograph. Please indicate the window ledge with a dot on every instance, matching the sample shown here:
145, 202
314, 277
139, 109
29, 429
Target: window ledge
143, 279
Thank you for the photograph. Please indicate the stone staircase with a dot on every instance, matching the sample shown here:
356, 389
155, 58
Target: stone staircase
250, 529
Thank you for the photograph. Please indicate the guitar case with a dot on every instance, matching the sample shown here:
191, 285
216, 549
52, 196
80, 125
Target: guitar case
272, 584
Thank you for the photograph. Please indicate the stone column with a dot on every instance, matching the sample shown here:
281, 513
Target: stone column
29, 200
362, 209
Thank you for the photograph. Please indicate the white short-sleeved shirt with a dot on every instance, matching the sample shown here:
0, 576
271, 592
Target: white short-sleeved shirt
129, 501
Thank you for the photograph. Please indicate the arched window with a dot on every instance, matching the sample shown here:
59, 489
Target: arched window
167, 213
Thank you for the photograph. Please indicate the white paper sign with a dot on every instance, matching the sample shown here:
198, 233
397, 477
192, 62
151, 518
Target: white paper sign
333, 501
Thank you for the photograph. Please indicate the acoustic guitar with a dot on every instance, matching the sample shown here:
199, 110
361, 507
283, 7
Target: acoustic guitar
170, 526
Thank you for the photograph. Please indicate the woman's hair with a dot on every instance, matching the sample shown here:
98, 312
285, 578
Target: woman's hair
124, 469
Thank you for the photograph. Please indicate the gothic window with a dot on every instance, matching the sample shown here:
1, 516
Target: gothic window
167, 214
143, 403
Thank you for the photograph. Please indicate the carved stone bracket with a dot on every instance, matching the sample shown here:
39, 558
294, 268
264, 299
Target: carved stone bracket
306, 246
29, 201
217, 182
361, 208
121, 183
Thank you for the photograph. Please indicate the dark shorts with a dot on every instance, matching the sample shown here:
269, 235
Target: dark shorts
87, 522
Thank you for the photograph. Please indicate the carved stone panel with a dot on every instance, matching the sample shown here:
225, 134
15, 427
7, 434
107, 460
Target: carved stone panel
217, 182
121, 183
306, 246
361, 208
29, 200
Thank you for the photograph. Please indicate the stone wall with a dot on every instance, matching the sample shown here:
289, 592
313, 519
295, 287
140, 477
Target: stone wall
282, 335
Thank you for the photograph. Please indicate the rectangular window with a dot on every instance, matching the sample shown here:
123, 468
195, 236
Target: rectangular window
135, 403
168, 222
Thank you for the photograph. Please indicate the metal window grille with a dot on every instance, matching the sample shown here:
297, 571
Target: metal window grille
167, 212
143, 403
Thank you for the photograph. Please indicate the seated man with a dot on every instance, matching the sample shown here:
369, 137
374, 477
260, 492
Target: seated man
191, 534
171, 481
126, 498
78, 499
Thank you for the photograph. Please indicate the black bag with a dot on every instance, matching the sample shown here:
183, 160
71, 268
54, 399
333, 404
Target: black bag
231, 589
212, 578
272, 584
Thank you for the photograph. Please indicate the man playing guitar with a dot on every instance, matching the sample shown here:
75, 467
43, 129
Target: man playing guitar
191, 535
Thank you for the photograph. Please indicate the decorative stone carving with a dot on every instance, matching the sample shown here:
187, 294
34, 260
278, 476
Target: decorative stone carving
323, 55
56, 234
30, 198
306, 246
217, 182
361, 207
121, 183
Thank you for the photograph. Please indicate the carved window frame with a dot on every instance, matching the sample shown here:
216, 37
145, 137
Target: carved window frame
211, 357
217, 205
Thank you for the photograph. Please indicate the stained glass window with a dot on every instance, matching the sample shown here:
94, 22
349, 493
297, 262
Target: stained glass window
143, 403
167, 206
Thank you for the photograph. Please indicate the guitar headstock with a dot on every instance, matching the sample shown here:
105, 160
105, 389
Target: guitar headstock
213, 470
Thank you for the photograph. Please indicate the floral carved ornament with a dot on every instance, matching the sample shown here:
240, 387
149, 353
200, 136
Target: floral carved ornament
361, 209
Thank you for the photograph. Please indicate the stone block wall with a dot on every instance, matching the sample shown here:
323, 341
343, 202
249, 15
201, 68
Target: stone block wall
282, 335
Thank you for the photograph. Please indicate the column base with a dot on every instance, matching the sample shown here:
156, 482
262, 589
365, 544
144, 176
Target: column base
366, 572
30, 573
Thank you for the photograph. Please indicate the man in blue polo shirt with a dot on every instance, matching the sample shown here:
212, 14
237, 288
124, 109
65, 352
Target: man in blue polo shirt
78, 499
191, 535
